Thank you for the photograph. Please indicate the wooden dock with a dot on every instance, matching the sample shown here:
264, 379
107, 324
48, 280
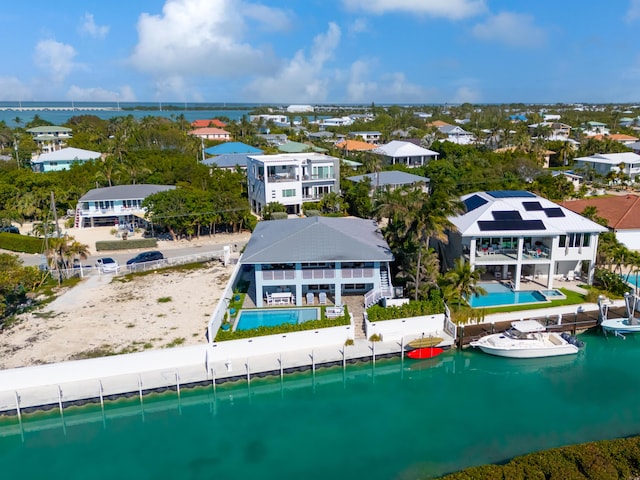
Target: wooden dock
576, 322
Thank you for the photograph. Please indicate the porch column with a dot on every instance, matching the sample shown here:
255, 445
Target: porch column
550, 276
259, 284
338, 283
518, 274
298, 286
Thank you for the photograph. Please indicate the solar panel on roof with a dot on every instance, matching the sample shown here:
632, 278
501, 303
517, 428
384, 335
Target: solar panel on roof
532, 206
511, 194
474, 202
510, 225
554, 212
506, 215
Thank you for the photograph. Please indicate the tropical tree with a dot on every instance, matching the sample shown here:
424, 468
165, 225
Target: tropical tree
461, 282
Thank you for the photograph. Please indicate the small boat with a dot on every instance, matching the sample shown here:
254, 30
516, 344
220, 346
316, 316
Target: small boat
528, 339
426, 352
425, 342
621, 326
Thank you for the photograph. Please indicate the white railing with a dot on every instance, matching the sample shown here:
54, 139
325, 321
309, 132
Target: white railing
374, 295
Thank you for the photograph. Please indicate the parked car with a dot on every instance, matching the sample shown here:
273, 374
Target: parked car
9, 229
146, 257
107, 265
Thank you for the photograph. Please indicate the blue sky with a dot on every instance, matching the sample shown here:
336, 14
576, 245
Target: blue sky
321, 51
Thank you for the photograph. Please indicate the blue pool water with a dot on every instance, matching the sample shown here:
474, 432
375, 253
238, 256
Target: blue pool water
498, 294
250, 319
632, 279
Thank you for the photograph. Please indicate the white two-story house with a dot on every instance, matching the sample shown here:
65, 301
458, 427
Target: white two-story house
291, 179
627, 163
522, 237
300, 259
114, 206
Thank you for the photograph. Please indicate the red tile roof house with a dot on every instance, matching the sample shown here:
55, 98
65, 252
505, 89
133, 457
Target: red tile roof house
214, 122
211, 133
621, 212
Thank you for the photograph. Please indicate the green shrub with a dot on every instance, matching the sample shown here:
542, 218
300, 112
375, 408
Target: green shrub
432, 306
279, 216
21, 243
610, 281
312, 213
126, 244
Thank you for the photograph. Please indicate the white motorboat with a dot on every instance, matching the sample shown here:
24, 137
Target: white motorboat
528, 339
624, 325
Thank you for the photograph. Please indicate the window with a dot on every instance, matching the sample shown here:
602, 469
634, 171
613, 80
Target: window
563, 241
289, 192
586, 239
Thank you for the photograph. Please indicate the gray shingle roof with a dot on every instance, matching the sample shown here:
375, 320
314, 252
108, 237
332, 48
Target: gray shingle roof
316, 239
228, 160
124, 192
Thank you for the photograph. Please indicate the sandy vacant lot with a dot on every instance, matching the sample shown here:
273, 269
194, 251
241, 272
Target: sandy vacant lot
106, 314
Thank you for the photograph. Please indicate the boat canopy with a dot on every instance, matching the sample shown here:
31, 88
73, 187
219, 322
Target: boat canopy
528, 326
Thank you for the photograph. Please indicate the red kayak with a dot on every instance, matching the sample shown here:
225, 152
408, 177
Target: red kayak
427, 352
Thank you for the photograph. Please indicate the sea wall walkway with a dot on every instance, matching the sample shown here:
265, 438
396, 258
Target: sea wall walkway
62, 384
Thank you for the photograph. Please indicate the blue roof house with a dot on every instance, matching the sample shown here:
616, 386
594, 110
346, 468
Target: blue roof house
232, 148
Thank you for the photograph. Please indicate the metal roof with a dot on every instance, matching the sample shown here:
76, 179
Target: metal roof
316, 239
397, 148
124, 192
70, 153
390, 177
229, 160
485, 216
232, 147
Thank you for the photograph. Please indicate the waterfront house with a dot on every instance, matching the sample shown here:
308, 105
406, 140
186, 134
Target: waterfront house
622, 213
50, 138
291, 179
456, 134
62, 159
605, 163
114, 206
522, 237
405, 153
320, 256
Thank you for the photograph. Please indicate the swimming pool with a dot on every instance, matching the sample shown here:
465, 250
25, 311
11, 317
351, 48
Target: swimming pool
553, 294
632, 279
250, 319
499, 294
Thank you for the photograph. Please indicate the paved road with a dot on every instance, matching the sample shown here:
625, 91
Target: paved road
169, 251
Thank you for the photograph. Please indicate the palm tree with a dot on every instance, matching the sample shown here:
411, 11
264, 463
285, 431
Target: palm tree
462, 281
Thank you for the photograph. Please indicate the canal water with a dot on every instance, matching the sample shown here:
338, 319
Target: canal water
392, 420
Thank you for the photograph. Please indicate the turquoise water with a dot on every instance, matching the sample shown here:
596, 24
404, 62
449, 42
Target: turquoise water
394, 420
632, 279
498, 294
250, 319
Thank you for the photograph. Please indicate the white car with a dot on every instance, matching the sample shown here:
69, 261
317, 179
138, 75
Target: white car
107, 265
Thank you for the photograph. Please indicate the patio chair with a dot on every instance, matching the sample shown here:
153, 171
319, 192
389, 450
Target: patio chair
311, 299
322, 298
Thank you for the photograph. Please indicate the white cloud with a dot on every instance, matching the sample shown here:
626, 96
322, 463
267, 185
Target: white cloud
359, 25
89, 27
302, 79
55, 58
388, 88
201, 37
452, 9
97, 94
271, 19
466, 94
513, 29
14, 90
633, 12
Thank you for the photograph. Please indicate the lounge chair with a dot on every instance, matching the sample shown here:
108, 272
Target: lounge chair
311, 299
322, 298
